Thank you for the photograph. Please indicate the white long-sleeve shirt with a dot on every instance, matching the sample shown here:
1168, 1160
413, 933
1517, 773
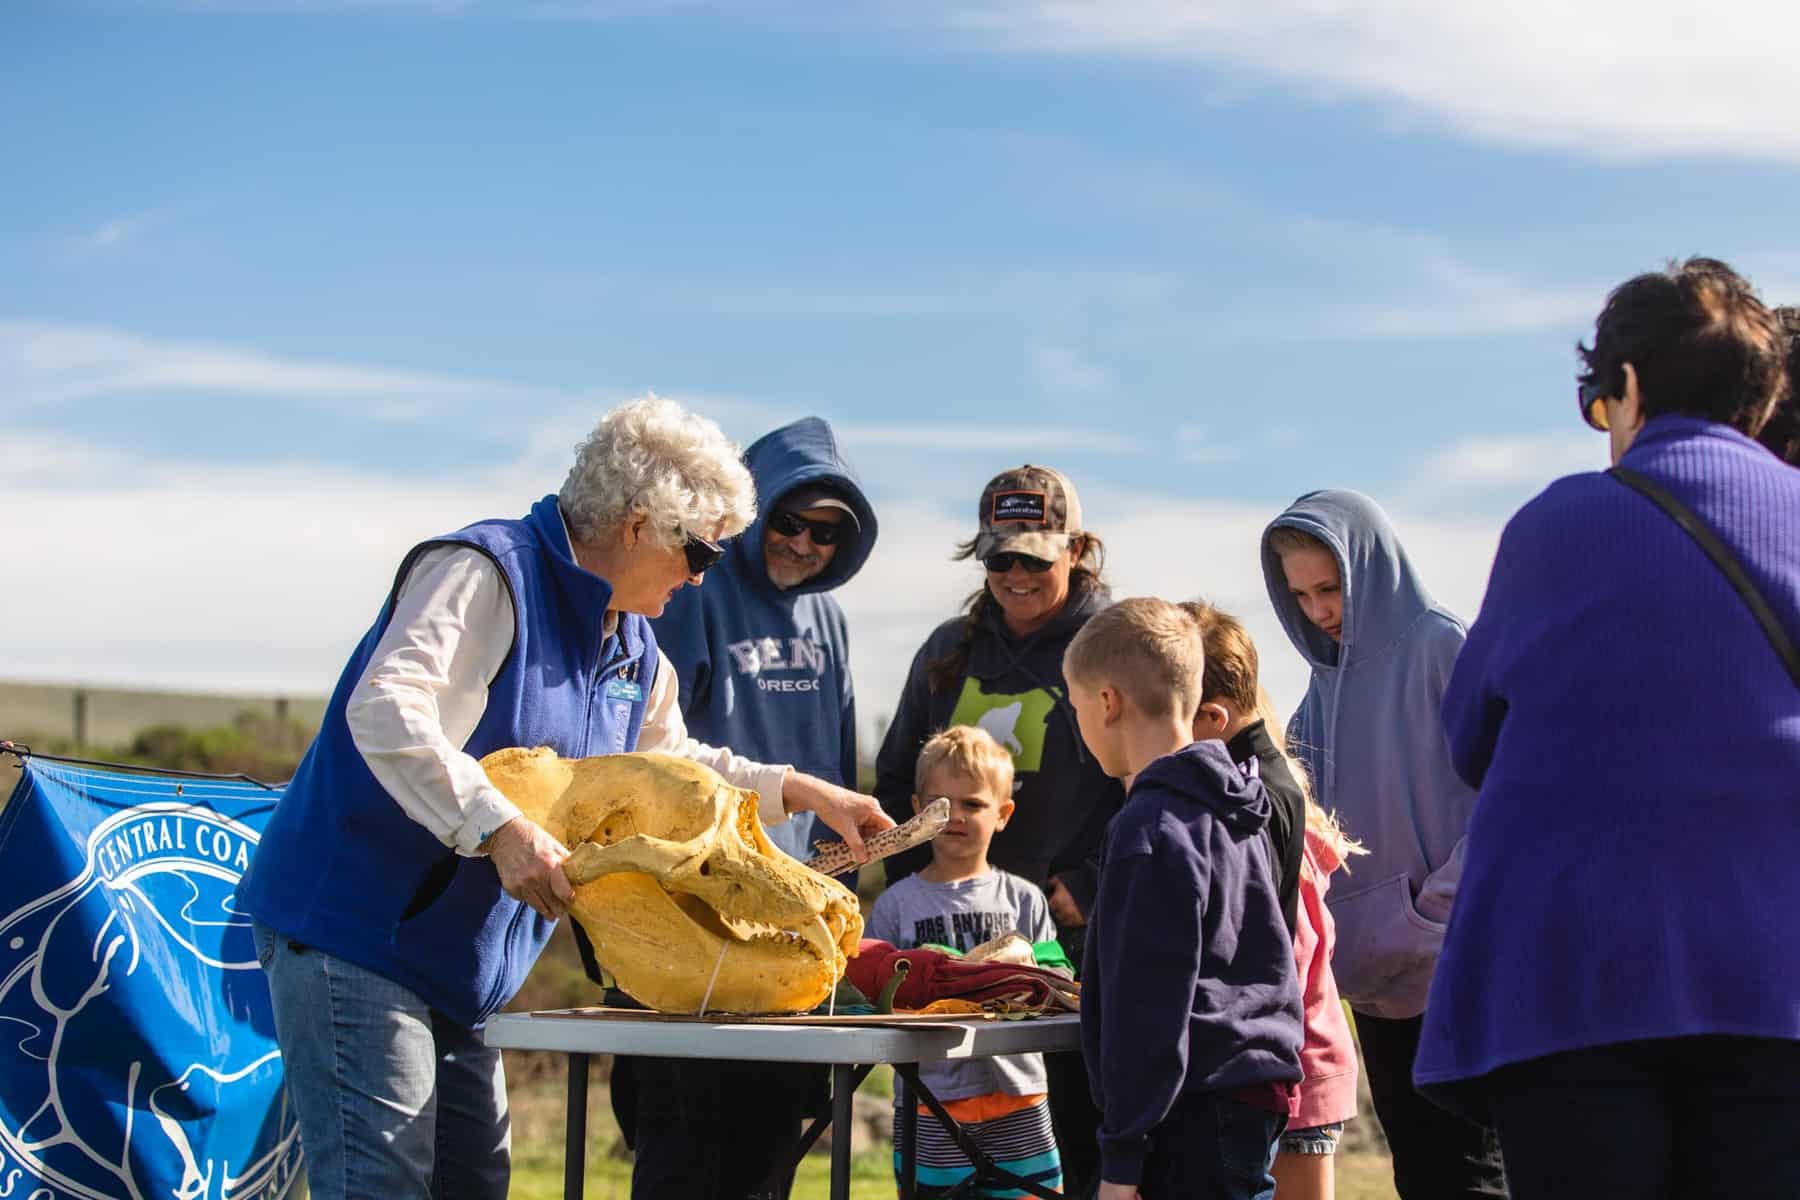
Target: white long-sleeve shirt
426, 687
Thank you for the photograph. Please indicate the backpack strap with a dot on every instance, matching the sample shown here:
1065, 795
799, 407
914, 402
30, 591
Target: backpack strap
1723, 558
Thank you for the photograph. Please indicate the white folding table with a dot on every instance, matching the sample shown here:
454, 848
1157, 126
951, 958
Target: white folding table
850, 1045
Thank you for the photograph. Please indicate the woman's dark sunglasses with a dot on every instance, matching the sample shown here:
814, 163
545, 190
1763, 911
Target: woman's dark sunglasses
701, 553
1003, 562
791, 524
1592, 399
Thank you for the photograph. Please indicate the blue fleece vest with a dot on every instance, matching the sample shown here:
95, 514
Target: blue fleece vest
343, 869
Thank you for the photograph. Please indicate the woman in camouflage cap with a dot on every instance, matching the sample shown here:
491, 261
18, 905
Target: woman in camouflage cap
998, 666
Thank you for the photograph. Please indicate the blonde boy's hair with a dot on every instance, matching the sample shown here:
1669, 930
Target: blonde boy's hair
1231, 674
970, 752
1284, 538
1148, 649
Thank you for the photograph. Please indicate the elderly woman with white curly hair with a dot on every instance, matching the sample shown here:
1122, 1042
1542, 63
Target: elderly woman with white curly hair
399, 899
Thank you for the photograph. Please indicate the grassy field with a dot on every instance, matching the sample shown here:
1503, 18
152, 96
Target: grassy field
42, 712
537, 1083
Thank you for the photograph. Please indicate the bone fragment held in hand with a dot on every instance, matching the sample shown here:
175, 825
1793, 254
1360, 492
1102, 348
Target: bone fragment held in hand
834, 857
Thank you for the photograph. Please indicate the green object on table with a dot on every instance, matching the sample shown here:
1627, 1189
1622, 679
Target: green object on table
1050, 954
884, 1004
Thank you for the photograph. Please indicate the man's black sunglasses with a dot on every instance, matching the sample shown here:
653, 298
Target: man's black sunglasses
701, 553
792, 524
1003, 562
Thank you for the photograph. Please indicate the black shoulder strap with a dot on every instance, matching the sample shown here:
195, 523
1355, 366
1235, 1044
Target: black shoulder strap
1722, 556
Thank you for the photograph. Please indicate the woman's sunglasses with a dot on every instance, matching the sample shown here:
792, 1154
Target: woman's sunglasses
1003, 562
701, 553
1592, 397
792, 524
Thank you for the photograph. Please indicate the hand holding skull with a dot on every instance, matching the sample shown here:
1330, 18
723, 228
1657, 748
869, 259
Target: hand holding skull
530, 863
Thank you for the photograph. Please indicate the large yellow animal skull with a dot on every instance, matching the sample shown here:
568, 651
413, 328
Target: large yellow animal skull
685, 899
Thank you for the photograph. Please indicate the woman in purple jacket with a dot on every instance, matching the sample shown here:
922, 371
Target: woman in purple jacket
1618, 987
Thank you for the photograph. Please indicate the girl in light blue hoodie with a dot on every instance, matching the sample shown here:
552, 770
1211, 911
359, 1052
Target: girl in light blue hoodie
1371, 737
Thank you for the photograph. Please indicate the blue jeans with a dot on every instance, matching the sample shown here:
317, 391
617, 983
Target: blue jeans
1214, 1147
1314, 1139
394, 1100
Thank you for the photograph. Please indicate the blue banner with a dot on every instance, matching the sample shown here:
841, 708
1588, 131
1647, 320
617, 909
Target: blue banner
137, 1049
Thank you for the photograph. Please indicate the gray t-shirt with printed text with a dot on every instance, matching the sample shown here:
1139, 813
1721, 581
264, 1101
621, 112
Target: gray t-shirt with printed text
965, 914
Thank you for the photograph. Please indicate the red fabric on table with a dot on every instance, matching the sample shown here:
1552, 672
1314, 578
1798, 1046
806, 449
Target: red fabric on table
934, 975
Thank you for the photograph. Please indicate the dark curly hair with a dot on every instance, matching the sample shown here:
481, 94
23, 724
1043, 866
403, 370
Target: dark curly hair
1701, 342
1782, 434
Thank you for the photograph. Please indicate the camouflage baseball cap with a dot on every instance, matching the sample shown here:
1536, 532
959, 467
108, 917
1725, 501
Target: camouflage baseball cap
1028, 510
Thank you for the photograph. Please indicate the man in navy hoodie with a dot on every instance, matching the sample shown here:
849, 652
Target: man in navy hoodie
764, 663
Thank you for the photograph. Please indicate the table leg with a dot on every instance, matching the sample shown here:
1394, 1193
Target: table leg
575, 1134
842, 1089
986, 1169
908, 1133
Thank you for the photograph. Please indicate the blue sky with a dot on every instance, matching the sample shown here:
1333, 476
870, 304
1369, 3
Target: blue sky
287, 286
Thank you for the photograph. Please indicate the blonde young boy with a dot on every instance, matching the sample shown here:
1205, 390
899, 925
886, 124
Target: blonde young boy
960, 901
1190, 1012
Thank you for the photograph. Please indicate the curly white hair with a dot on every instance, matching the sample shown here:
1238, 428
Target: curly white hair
652, 456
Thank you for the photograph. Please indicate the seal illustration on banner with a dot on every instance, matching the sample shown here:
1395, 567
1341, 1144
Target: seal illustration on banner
132, 1008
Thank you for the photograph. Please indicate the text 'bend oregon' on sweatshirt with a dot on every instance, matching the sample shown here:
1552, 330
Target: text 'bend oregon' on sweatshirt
764, 671
1190, 984
1371, 734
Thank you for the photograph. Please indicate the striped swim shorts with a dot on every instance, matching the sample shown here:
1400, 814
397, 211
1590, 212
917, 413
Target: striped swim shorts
1014, 1131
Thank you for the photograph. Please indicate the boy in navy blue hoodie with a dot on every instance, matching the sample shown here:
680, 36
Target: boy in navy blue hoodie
1190, 1011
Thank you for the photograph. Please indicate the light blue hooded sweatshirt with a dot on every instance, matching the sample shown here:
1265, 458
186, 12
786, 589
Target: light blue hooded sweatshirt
766, 671
1370, 734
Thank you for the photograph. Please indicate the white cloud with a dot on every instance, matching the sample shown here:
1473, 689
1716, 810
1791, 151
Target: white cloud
989, 440
1450, 298
1504, 460
1198, 445
47, 363
311, 7
1609, 78
116, 232
1060, 369
139, 573
1413, 284
261, 581
953, 292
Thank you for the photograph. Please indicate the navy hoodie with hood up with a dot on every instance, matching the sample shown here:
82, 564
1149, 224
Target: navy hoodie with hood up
766, 671
1190, 984
1372, 737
